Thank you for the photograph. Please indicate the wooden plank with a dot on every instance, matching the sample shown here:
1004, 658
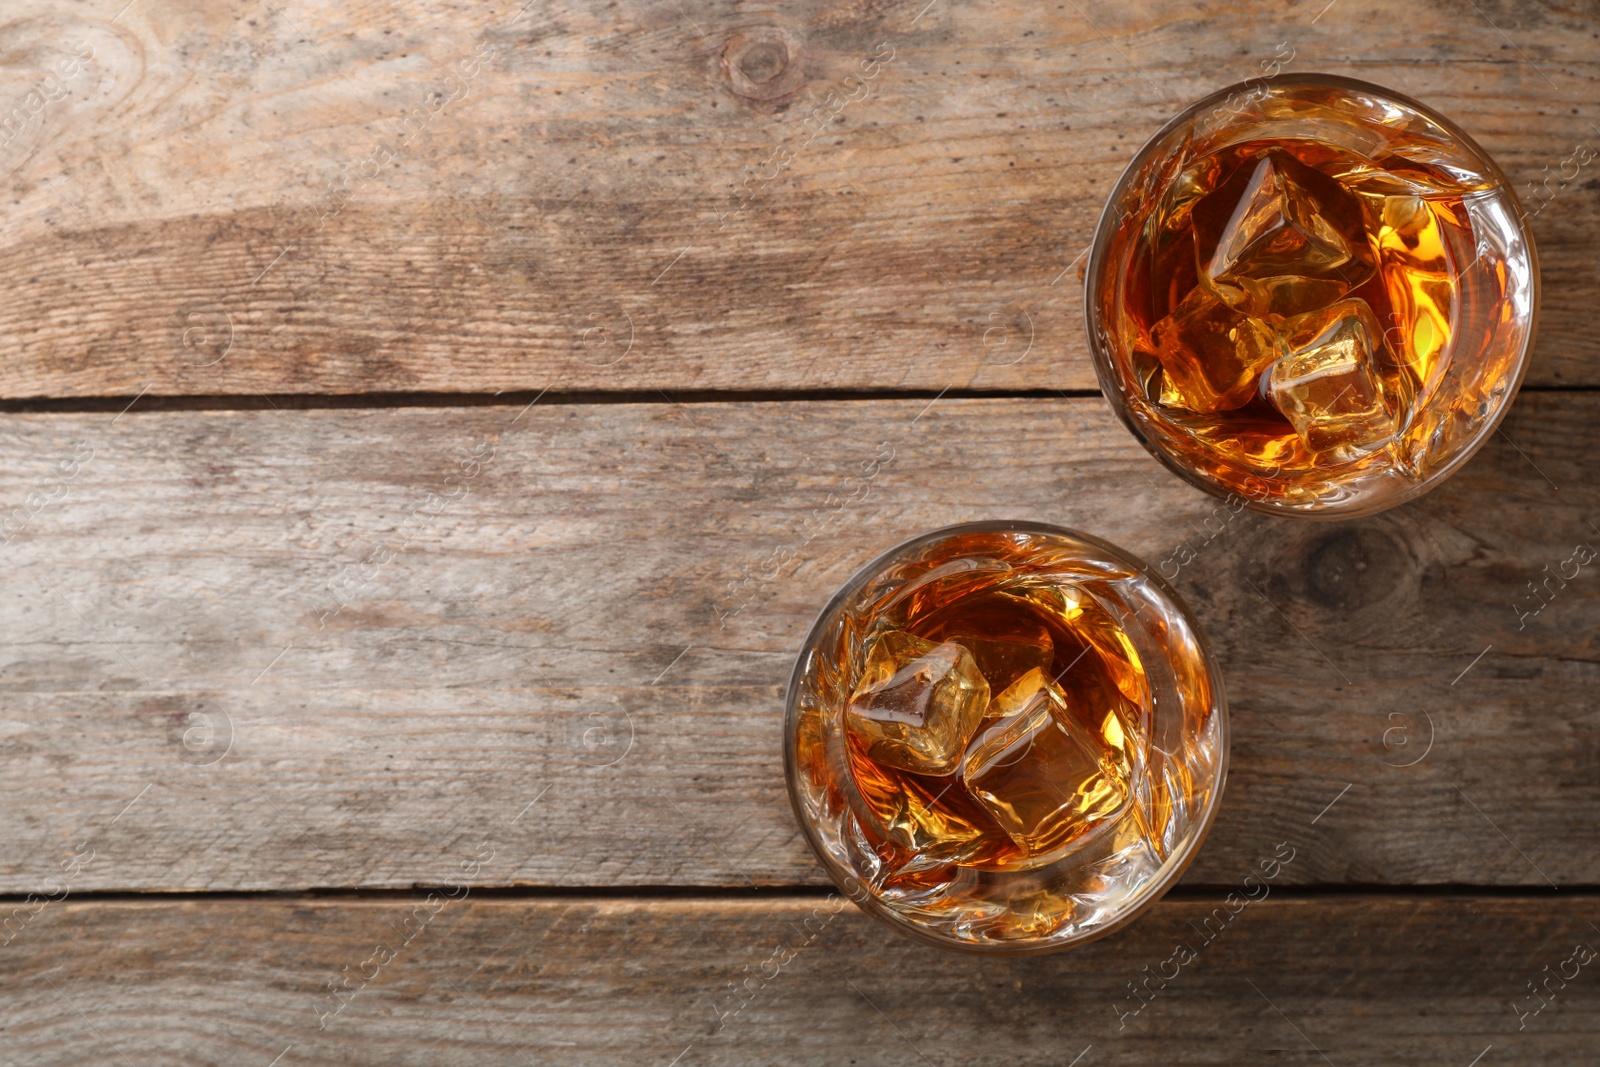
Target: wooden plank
1295, 981
331, 648
229, 198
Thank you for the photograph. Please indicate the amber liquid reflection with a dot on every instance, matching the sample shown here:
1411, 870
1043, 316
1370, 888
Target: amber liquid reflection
1006, 735
997, 719
1316, 291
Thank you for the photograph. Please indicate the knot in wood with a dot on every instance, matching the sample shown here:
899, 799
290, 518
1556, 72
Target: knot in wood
762, 65
1357, 567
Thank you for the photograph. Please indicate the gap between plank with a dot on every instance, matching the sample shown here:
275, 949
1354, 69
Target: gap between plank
145, 402
789, 892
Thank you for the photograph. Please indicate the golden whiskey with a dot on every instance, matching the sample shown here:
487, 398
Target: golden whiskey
1003, 734
1317, 297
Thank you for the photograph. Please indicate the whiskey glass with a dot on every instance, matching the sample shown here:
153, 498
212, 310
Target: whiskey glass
1311, 294
1005, 737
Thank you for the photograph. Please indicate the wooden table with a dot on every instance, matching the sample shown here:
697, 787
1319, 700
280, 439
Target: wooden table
427, 440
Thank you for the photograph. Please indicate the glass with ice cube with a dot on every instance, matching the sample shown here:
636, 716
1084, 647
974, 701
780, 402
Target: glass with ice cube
1005, 737
1312, 294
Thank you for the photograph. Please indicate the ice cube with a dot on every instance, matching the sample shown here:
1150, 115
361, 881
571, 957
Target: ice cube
1040, 773
1003, 659
1339, 137
1211, 355
917, 703
1330, 384
1108, 669
1405, 178
1281, 238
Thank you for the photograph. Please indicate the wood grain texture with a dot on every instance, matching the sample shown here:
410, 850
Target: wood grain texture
1293, 981
234, 197
337, 648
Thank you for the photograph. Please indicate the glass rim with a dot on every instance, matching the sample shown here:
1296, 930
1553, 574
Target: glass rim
1170, 871
1099, 246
